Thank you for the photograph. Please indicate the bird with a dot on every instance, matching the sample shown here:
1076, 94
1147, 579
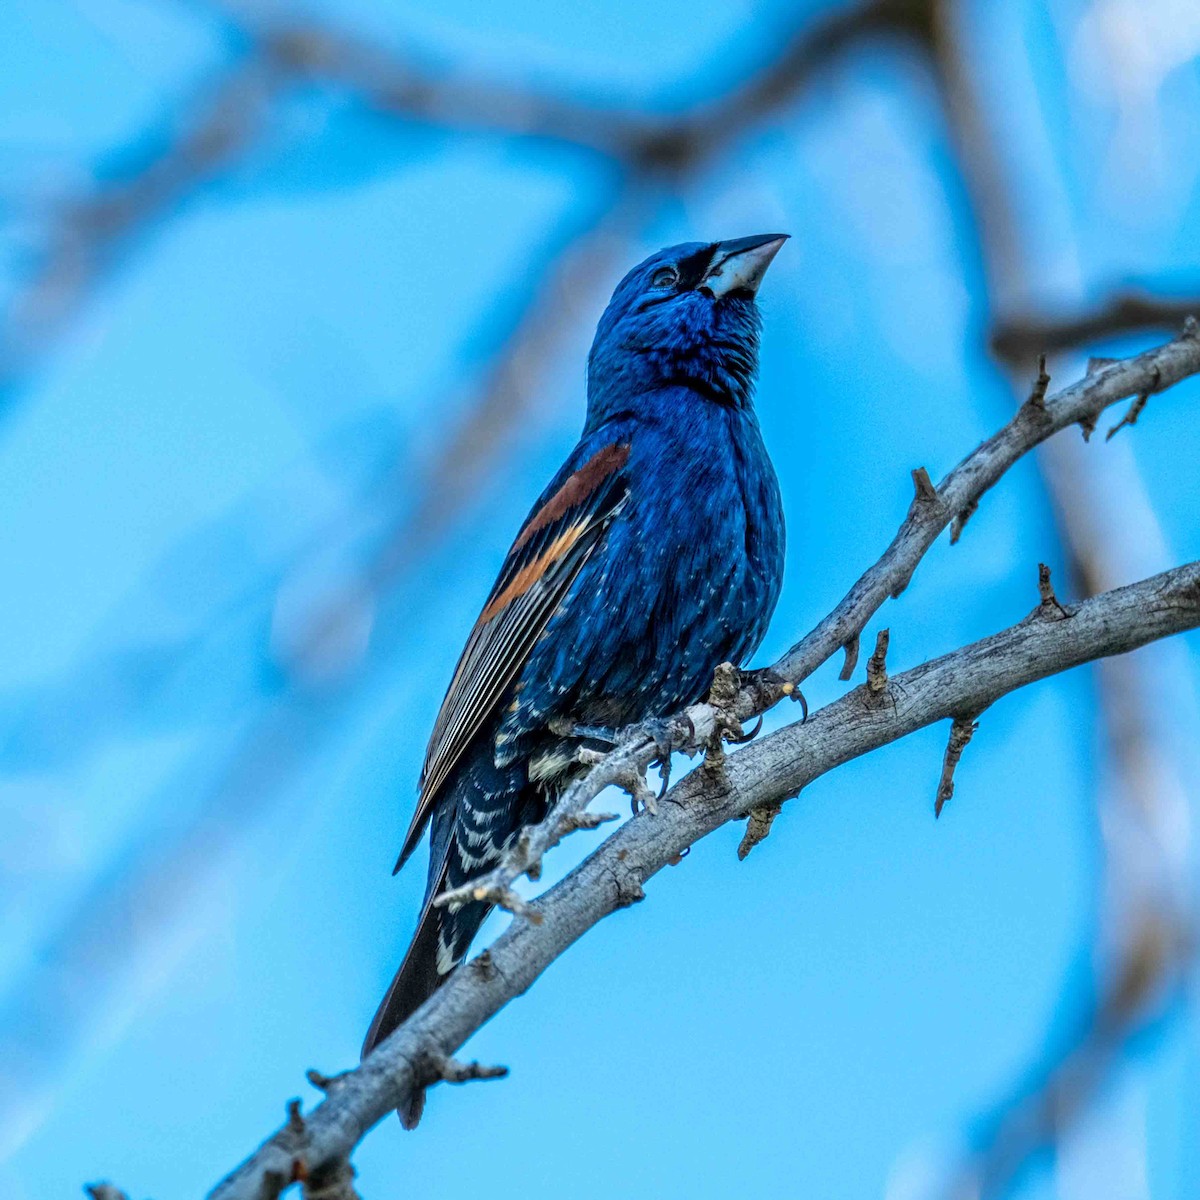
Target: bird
655, 554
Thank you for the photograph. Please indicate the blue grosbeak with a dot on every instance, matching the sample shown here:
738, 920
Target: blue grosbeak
654, 555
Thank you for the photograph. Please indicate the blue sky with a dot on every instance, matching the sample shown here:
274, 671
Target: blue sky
227, 433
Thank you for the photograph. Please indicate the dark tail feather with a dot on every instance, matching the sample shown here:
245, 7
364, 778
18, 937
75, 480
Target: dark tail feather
417, 980
413, 984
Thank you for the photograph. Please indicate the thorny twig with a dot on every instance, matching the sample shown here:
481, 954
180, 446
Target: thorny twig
961, 731
1010, 274
763, 773
877, 676
965, 484
1048, 602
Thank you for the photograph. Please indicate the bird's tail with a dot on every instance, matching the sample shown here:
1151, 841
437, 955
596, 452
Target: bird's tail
438, 946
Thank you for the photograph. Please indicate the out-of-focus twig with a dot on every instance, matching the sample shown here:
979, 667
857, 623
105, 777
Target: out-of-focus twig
1018, 340
1143, 946
90, 233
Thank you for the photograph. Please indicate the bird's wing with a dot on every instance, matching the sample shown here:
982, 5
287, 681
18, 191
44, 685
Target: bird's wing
554, 543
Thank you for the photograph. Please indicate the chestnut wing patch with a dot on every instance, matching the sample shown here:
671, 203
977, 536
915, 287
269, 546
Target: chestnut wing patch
544, 561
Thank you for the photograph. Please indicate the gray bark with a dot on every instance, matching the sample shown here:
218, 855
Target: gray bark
957, 686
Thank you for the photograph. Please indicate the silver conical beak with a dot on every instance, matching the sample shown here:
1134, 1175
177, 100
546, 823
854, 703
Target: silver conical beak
739, 265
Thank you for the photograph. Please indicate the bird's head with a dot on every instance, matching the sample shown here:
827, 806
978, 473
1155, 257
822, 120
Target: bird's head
686, 316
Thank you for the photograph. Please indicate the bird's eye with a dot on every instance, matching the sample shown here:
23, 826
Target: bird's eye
665, 277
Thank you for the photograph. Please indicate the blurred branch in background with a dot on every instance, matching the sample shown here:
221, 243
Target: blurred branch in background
1145, 939
99, 940
1021, 340
88, 236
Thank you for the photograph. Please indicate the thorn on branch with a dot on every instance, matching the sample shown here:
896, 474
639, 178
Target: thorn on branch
453, 1071
326, 1182
961, 731
431, 1068
923, 486
1131, 415
960, 521
326, 1083
1088, 423
1049, 606
758, 827
104, 1191
1037, 394
851, 650
877, 676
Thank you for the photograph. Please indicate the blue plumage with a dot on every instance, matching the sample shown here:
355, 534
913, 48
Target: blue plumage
655, 554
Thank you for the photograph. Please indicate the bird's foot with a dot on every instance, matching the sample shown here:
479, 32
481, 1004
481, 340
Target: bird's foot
661, 732
596, 733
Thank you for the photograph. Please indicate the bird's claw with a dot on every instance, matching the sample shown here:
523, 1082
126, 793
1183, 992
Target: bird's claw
660, 731
773, 687
743, 738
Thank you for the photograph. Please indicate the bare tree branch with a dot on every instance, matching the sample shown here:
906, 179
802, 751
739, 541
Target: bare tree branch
1154, 912
930, 513
962, 729
766, 772
764, 775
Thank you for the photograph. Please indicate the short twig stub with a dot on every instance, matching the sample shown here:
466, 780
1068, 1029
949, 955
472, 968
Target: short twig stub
1131, 415
923, 486
961, 731
877, 676
850, 647
1037, 394
758, 827
1049, 605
